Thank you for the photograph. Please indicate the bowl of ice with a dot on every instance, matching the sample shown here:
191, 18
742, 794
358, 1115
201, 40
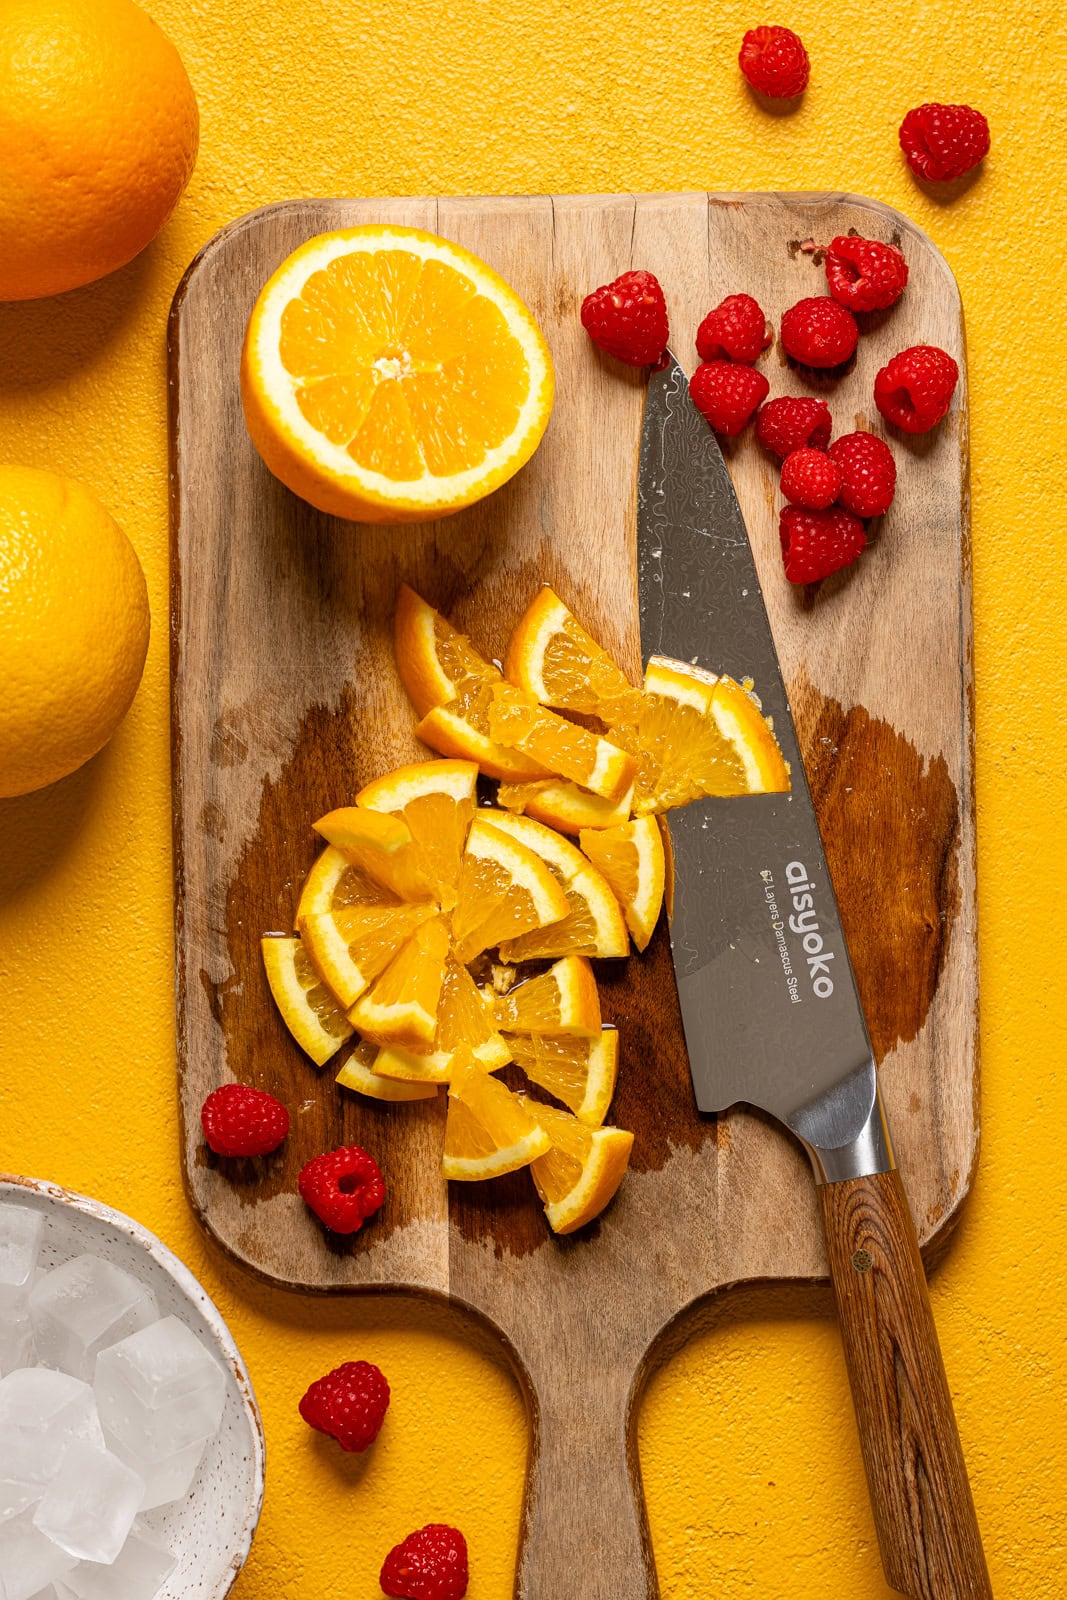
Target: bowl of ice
131, 1448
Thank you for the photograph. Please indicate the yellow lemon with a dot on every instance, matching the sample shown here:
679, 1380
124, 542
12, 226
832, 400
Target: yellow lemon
73, 627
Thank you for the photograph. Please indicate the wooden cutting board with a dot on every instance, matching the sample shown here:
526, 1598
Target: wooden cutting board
286, 700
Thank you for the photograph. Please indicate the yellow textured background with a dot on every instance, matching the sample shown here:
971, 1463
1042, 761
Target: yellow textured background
753, 1475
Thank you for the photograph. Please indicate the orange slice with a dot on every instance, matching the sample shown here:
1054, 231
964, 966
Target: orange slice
308, 1009
564, 806
632, 860
334, 882
401, 1008
564, 748
436, 800
504, 891
464, 1020
580, 1072
435, 661
551, 656
489, 1130
351, 946
693, 738
381, 846
582, 1171
358, 1073
593, 925
562, 1000
388, 375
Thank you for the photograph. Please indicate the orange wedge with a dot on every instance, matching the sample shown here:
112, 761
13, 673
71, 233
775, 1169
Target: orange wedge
334, 882
562, 1000
401, 1009
518, 722
388, 375
693, 737
435, 661
580, 1174
580, 1072
308, 1009
436, 800
632, 860
351, 946
489, 1130
551, 656
564, 806
504, 891
464, 1020
382, 847
593, 925
358, 1073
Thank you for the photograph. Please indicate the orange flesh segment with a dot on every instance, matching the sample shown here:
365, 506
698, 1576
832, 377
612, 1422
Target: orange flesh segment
516, 720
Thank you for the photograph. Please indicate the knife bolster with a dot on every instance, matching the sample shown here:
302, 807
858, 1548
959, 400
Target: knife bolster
868, 1153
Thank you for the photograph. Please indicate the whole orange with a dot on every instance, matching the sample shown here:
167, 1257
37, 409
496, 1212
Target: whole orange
98, 137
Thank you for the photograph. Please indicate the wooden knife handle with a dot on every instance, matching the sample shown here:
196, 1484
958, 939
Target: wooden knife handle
584, 1528
927, 1529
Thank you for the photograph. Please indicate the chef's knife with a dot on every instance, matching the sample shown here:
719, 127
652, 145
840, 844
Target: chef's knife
772, 1014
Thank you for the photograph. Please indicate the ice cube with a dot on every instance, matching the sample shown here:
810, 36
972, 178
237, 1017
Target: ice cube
16, 1494
16, 1342
28, 1561
89, 1506
138, 1572
41, 1413
83, 1306
167, 1479
159, 1390
20, 1240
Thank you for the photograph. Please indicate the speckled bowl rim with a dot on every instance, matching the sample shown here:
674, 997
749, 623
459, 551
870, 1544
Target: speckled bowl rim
193, 1291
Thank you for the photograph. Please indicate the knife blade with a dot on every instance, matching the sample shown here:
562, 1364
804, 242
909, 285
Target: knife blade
772, 1013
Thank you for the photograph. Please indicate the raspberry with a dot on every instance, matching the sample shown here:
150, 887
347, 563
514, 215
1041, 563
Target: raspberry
819, 333
736, 330
816, 543
628, 319
793, 422
342, 1187
942, 142
726, 394
865, 275
810, 479
431, 1564
239, 1121
775, 62
916, 388
349, 1404
868, 473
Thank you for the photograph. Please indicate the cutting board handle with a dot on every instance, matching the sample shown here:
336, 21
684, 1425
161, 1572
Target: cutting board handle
584, 1529
927, 1529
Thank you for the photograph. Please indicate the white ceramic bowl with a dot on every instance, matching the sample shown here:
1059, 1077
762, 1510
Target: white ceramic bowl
210, 1531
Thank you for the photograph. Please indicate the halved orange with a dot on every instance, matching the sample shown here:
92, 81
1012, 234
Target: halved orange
504, 891
564, 806
464, 1020
489, 1130
562, 1000
351, 946
358, 1073
562, 747
593, 925
401, 1009
552, 657
382, 847
388, 375
580, 1072
436, 800
582, 1171
631, 858
308, 1009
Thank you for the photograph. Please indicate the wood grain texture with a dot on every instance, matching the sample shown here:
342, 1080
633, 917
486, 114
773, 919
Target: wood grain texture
923, 1511
285, 700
